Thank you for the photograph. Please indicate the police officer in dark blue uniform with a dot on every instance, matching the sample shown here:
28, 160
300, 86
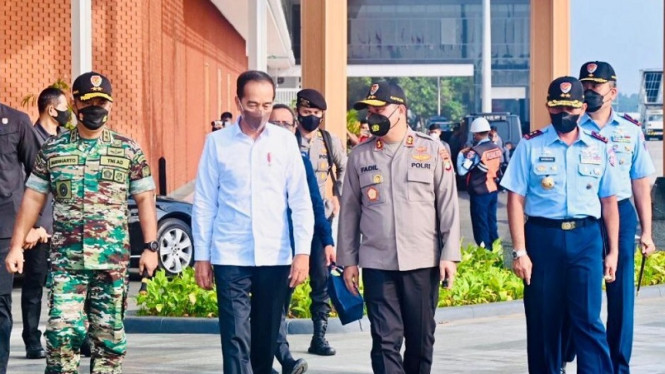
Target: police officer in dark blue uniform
18, 148
560, 177
634, 166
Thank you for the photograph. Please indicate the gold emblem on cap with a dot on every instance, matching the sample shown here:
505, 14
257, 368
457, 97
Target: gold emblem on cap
547, 183
375, 127
591, 68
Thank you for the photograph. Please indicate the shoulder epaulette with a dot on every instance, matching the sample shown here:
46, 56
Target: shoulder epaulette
532, 134
630, 119
598, 136
424, 136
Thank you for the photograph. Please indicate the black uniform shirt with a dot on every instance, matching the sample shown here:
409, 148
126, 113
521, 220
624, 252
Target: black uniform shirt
18, 149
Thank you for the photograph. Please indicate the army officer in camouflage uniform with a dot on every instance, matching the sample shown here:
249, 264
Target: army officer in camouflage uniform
90, 171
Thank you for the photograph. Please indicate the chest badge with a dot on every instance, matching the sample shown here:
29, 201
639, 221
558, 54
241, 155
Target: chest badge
372, 194
547, 183
378, 178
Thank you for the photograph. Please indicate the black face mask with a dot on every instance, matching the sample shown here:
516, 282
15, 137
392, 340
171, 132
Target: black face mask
93, 117
63, 117
379, 125
564, 122
309, 123
593, 100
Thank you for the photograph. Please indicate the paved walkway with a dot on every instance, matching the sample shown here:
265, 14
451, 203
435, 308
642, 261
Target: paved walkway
481, 345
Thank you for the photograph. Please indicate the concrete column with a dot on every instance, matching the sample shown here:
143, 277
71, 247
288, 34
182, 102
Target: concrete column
487, 58
550, 53
81, 37
257, 38
323, 57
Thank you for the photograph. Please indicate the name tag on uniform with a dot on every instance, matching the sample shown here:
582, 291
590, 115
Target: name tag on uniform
593, 159
546, 159
63, 161
118, 162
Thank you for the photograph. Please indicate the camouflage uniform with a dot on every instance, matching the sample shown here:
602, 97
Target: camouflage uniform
90, 180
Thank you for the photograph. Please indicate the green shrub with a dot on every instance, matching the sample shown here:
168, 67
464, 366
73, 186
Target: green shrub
177, 296
481, 278
654, 268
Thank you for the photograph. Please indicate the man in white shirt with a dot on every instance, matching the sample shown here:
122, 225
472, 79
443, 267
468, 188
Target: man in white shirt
248, 175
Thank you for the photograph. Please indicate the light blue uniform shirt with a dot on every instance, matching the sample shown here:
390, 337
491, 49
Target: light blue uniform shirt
627, 141
243, 188
561, 181
466, 162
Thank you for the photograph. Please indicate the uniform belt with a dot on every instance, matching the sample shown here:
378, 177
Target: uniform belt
563, 224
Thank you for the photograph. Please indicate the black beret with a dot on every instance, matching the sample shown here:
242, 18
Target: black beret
311, 98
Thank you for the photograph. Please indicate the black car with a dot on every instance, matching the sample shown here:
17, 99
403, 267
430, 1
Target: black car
174, 234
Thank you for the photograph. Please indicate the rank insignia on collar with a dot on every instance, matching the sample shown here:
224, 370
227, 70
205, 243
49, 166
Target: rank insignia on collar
598, 136
409, 141
532, 134
631, 119
379, 144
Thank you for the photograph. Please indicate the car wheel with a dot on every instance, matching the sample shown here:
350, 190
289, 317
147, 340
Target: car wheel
176, 248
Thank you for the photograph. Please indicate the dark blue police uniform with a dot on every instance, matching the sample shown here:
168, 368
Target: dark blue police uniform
18, 148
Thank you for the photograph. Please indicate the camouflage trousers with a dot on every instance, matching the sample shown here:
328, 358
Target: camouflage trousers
103, 292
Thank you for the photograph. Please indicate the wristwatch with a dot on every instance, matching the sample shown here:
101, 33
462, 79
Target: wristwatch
152, 246
518, 254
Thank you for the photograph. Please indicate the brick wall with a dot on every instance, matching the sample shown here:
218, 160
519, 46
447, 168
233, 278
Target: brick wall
172, 63
35, 49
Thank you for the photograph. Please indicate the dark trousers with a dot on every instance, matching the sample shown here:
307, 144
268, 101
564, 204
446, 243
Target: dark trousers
318, 280
620, 296
566, 280
6, 283
400, 307
35, 269
249, 325
282, 352
483, 218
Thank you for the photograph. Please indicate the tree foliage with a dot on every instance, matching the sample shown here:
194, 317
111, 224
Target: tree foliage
421, 94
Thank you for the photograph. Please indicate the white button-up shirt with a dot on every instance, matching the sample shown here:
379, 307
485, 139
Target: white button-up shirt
243, 189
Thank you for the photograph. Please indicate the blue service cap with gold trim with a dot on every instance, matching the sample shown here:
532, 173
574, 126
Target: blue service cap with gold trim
597, 71
565, 91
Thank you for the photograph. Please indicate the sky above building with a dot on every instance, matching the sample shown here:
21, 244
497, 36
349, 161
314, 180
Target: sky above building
627, 34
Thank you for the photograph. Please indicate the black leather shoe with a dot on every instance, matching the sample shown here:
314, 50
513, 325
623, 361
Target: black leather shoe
36, 353
298, 366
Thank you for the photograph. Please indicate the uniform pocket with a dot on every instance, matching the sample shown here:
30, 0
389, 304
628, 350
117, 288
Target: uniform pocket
419, 185
373, 191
